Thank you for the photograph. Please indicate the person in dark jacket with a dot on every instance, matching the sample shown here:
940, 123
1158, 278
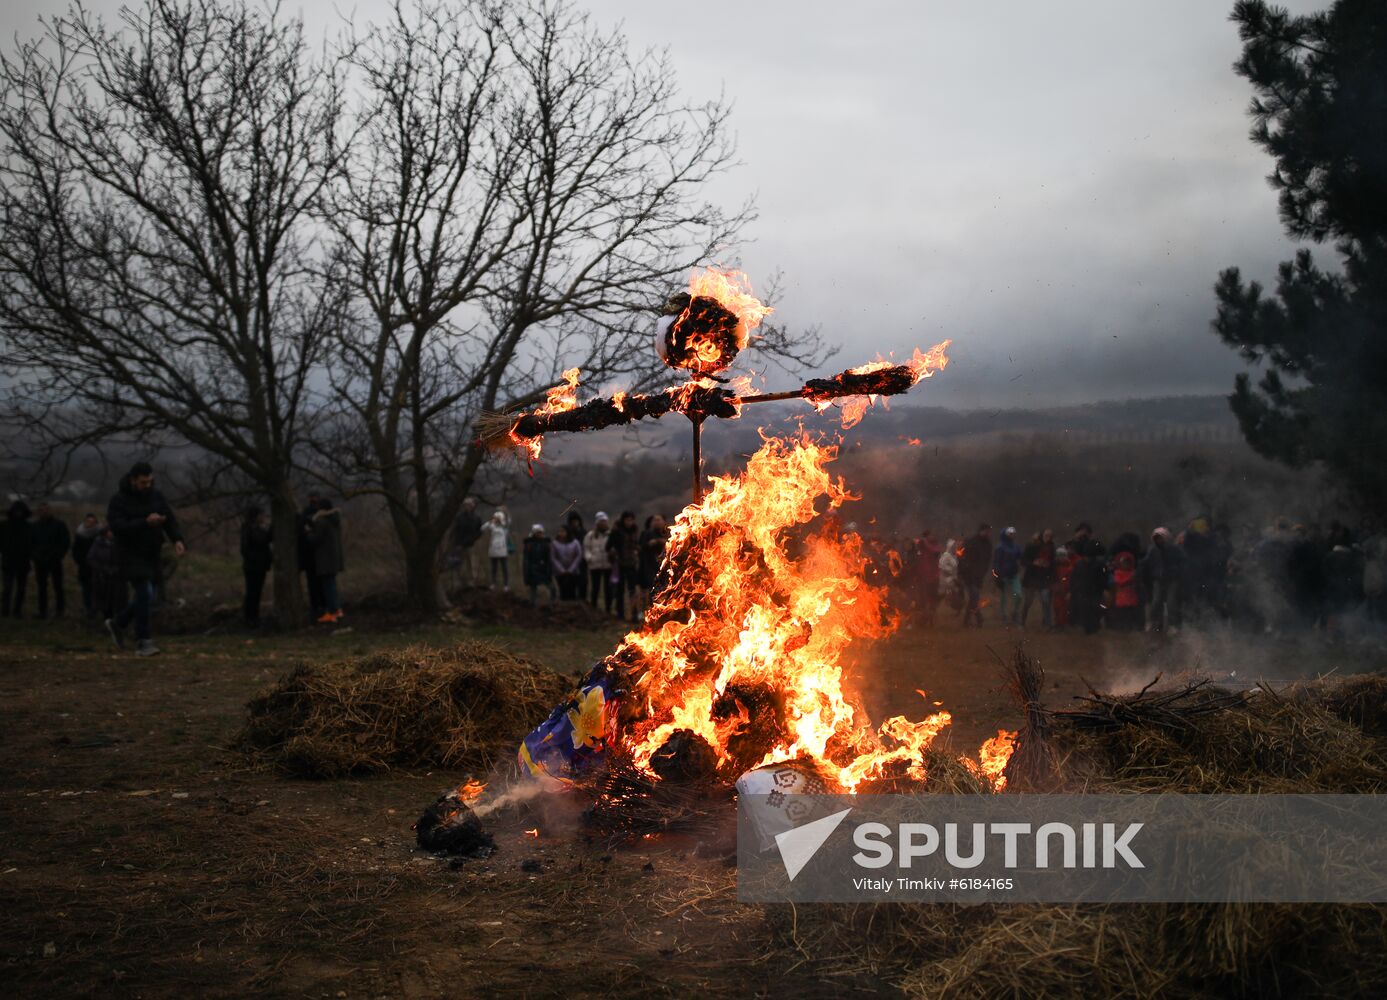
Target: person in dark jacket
16, 549
467, 531
1006, 573
108, 590
140, 520
87, 533
1162, 571
653, 541
924, 577
973, 567
1088, 578
306, 566
257, 556
1305, 569
51, 542
1343, 580
537, 563
624, 552
1038, 576
325, 534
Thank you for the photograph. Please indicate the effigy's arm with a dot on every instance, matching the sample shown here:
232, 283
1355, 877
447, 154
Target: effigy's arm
697, 400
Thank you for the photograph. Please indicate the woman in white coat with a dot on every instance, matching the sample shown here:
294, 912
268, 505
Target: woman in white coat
498, 544
599, 560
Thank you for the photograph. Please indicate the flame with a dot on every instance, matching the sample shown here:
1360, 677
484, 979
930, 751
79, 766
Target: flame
471, 791
732, 289
993, 756
557, 399
745, 645
532, 833
925, 364
921, 365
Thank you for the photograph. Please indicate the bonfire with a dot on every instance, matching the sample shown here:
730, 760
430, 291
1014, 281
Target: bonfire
739, 663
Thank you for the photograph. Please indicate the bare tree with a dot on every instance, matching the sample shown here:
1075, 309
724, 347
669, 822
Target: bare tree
526, 191
157, 269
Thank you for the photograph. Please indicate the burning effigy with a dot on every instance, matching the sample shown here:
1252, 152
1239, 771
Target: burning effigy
739, 663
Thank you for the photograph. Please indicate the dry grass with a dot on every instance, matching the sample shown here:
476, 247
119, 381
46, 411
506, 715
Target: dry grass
1315, 737
461, 707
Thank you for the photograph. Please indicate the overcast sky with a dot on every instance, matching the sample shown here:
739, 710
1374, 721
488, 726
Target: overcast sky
1055, 186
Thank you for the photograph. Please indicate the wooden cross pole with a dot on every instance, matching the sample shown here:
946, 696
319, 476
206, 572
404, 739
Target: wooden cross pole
698, 400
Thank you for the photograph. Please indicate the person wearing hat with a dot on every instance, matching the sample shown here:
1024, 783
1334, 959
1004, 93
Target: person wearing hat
498, 547
537, 563
1006, 572
599, 561
1162, 571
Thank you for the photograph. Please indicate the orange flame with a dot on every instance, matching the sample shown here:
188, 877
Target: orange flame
993, 756
557, 399
733, 290
761, 608
471, 791
532, 833
922, 365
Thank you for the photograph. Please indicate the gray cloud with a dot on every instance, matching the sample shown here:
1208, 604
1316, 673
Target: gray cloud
1055, 186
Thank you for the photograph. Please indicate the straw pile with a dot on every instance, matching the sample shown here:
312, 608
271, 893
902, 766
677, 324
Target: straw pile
1317, 737
465, 707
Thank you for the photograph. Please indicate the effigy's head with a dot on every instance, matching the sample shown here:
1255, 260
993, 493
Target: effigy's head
702, 330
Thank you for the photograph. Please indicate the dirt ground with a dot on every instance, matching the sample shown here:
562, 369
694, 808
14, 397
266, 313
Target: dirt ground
142, 857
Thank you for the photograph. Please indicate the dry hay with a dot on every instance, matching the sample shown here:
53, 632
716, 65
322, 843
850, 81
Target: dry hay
1326, 736
462, 707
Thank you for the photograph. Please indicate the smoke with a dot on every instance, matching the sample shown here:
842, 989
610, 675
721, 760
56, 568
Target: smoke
1229, 656
517, 794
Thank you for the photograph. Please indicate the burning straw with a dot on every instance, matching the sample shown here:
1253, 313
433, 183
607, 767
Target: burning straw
462, 707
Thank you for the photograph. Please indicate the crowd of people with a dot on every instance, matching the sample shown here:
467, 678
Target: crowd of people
118, 560
611, 565
1293, 578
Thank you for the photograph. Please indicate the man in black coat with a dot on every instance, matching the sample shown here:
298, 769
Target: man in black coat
16, 547
307, 565
140, 518
973, 567
51, 540
1087, 579
467, 531
257, 556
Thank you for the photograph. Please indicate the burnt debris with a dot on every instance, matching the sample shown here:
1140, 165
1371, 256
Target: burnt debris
449, 826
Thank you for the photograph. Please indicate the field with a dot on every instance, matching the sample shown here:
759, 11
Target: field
144, 856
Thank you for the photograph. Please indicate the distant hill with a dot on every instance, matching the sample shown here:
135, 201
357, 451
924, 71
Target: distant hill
1171, 419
